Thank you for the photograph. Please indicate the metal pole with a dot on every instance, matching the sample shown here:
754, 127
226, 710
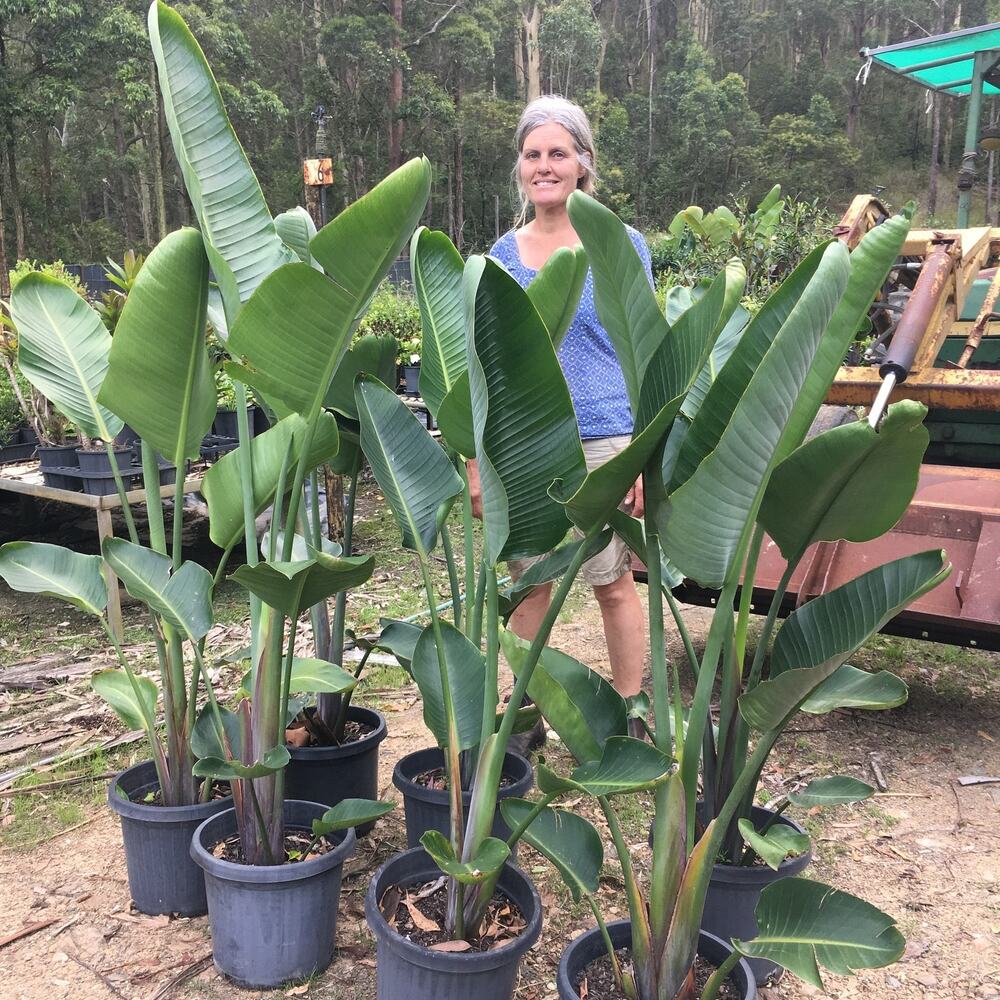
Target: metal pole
971, 141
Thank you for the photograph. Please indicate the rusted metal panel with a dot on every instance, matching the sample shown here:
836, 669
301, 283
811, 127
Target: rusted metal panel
947, 388
864, 213
317, 173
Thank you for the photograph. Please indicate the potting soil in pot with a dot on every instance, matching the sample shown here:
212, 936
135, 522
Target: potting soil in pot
296, 843
597, 982
418, 913
437, 779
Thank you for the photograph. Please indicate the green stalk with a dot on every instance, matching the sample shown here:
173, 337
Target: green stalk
336, 652
746, 592
492, 660
468, 545
220, 570
109, 447
249, 515
475, 619
625, 983
154, 502
262, 827
536, 808
721, 974
682, 630
456, 590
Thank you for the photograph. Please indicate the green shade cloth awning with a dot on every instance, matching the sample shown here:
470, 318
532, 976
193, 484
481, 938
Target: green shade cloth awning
942, 62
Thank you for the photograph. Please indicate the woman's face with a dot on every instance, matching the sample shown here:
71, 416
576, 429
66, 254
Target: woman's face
548, 165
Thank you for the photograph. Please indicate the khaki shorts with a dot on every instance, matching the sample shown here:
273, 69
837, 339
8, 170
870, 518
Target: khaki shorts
613, 562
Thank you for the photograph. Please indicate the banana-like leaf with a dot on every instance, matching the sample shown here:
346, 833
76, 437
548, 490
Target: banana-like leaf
525, 427
242, 243
633, 533
626, 765
116, 689
309, 675
708, 518
221, 485
723, 395
555, 291
296, 228
348, 459
400, 639
466, 680
684, 352
802, 925
488, 861
849, 687
182, 599
723, 350
348, 813
625, 302
781, 841
302, 547
818, 637
214, 767
160, 341
836, 790
205, 739
41, 568
374, 354
577, 702
571, 843
295, 330
292, 586
850, 482
62, 350
410, 467
454, 418
437, 280
550, 783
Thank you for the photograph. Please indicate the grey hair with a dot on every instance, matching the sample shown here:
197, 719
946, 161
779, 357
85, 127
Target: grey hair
554, 109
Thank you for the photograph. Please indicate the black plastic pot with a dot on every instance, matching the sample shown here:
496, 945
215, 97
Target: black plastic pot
427, 808
226, 423
734, 891
332, 774
583, 950
161, 875
99, 463
57, 457
271, 924
408, 970
411, 376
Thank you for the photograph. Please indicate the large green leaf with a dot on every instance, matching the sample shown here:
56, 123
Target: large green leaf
222, 488
779, 842
577, 702
626, 765
802, 925
571, 843
454, 418
725, 344
40, 568
525, 427
310, 675
399, 638
205, 737
295, 330
159, 378
850, 482
270, 761
437, 280
488, 860
555, 290
62, 350
633, 534
182, 599
849, 687
411, 469
241, 241
466, 680
115, 687
374, 354
708, 518
625, 302
348, 813
296, 229
292, 586
835, 790
818, 637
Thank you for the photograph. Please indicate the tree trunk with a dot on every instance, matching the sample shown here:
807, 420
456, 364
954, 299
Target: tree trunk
145, 203
459, 180
396, 89
46, 157
14, 193
531, 22
156, 155
932, 176
4, 266
123, 191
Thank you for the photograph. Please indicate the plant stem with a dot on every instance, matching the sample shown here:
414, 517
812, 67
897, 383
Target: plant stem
245, 459
616, 968
468, 545
154, 502
109, 447
262, 828
682, 630
456, 590
492, 660
721, 974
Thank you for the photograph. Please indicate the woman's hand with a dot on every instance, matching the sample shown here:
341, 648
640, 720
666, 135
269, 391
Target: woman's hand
475, 492
634, 504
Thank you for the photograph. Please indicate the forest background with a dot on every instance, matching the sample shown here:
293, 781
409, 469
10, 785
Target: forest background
693, 101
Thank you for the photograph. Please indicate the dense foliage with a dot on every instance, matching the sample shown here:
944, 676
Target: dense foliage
693, 103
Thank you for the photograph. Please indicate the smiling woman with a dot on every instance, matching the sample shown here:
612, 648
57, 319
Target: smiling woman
555, 157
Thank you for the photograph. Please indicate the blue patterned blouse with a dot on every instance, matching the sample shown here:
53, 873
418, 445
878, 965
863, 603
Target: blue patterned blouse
586, 354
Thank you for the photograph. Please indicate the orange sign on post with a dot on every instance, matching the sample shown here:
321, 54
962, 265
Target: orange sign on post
318, 173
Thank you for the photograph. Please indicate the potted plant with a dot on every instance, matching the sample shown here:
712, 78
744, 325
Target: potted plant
738, 457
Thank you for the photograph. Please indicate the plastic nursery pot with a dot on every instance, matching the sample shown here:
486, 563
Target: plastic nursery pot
62, 456
411, 377
406, 969
332, 774
226, 423
162, 878
589, 946
427, 808
99, 463
734, 891
271, 924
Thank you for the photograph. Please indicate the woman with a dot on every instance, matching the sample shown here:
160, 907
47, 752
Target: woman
556, 157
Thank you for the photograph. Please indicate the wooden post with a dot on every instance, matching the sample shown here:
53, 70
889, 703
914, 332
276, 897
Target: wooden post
105, 530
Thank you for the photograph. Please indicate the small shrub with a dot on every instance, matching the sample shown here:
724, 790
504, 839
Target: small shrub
394, 311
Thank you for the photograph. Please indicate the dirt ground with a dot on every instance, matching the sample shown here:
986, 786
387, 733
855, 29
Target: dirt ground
927, 851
